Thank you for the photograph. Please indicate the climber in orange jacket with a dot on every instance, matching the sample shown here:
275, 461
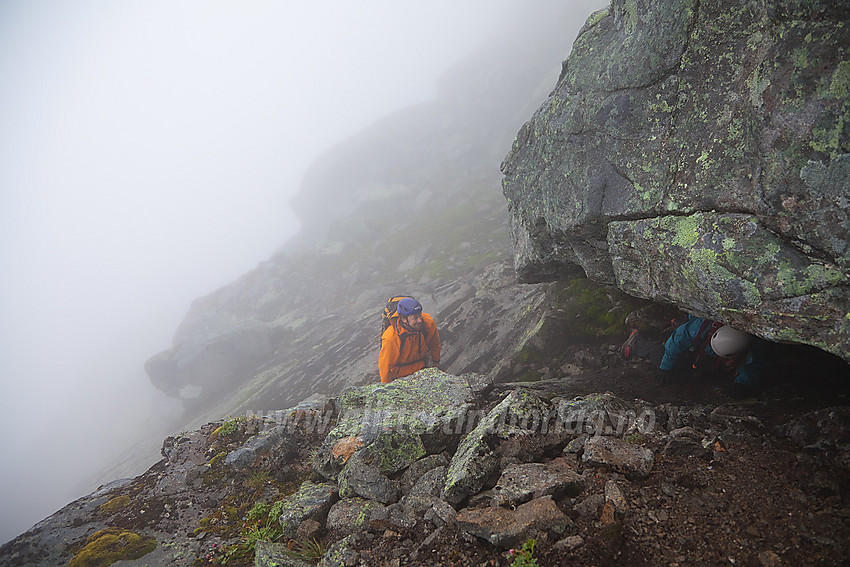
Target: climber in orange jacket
410, 343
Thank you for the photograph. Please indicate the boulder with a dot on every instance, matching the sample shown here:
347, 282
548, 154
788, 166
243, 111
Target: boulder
426, 492
698, 154
618, 455
526, 481
684, 442
394, 518
395, 424
342, 553
259, 446
359, 478
517, 427
602, 414
311, 502
826, 430
415, 471
351, 515
509, 528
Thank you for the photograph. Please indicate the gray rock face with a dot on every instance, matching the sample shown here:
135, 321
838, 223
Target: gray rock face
359, 478
351, 515
620, 456
312, 501
526, 481
698, 154
258, 446
517, 427
390, 426
827, 429
507, 528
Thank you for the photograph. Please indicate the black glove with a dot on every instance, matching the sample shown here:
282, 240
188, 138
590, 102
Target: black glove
663, 377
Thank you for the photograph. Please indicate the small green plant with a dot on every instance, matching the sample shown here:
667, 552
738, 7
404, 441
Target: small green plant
257, 479
261, 524
227, 428
310, 550
259, 511
635, 438
524, 556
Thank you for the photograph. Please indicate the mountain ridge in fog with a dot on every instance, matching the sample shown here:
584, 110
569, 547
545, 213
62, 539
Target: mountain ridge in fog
141, 455
411, 204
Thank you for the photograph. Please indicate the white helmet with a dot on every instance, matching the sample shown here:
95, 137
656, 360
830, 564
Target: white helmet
727, 341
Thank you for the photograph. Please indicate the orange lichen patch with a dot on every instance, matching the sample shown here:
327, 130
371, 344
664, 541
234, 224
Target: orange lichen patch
344, 448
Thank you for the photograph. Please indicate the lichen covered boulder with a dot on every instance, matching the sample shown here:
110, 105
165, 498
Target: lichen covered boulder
517, 427
351, 515
311, 502
392, 425
618, 455
698, 153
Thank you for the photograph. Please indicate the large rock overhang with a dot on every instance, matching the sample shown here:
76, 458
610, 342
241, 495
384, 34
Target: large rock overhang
698, 153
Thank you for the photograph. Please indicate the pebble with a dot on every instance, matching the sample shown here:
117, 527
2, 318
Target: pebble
570, 542
769, 559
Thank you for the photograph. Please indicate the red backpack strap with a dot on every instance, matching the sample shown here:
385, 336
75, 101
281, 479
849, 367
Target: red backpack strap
712, 327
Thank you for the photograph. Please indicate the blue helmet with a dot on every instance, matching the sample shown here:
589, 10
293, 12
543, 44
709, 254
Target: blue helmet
408, 306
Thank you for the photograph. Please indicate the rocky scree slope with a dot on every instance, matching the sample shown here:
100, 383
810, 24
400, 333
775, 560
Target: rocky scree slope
698, 153
434, 470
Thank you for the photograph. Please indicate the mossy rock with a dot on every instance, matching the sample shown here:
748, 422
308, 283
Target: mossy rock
110, 545
114, 504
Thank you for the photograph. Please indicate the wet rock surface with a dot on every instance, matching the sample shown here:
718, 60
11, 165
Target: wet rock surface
730, 481
697, 153
537, 428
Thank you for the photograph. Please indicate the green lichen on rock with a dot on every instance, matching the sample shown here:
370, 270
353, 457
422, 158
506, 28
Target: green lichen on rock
394, 451
518, 425
270, 554
732, 265
110, 545
415, 403
587, 310
669, 111
391, 424
313, 500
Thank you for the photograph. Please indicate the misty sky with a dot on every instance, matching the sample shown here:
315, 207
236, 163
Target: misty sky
147, 152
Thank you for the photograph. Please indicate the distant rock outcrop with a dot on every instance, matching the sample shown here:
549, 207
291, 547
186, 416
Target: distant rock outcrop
698, 153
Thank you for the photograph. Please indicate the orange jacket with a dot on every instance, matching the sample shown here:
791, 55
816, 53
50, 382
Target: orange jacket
404, 352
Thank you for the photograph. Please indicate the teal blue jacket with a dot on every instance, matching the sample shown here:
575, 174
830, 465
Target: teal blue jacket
689, 338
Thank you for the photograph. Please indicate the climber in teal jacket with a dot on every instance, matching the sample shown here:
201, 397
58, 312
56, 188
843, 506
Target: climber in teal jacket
701, 343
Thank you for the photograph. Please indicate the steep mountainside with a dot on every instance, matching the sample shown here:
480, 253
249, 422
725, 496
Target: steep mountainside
510, 452
410, 205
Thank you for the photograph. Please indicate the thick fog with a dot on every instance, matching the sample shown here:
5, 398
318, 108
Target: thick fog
147, 152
